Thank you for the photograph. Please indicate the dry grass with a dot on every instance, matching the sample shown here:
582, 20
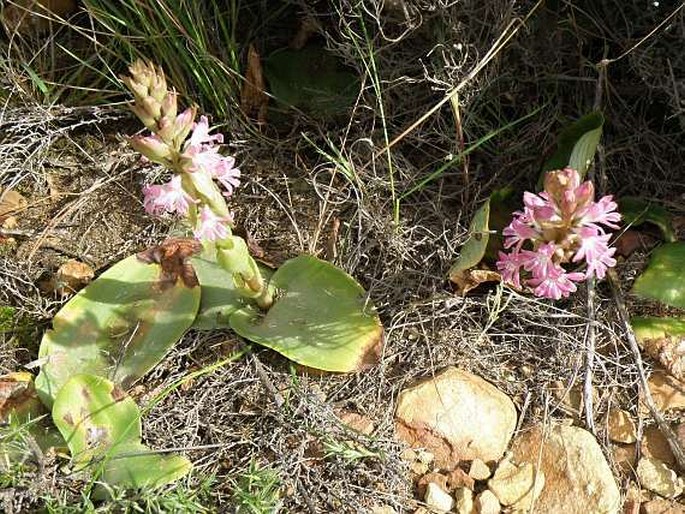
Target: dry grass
260, 409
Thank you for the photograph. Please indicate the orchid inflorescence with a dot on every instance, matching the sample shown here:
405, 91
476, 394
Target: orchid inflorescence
186, 148
561, 225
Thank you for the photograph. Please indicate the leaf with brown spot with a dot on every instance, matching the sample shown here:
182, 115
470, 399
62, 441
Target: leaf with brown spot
18, 398
102, 428
172, 256
122, 324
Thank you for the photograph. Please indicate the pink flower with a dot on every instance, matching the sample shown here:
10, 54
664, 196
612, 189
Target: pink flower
594, 248
517, 232
169, 197
212, 227
603, 211
539, 262
556, 284
538, 207
200, 135
509, 265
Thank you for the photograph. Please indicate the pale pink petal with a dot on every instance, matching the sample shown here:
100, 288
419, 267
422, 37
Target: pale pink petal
200, 135
509, 265
556, 284
539, 262
212, 227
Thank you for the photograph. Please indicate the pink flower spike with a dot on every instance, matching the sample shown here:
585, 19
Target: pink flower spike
509, 265
201, 135
212, 227
594, 248
169, 197
556, 284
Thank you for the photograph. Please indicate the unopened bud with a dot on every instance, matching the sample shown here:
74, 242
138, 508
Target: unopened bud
151, 147
145, 117
184, 124
170, 105
152, 106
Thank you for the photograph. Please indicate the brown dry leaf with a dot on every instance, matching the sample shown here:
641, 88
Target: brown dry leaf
308, 27
669, 352
632, 240
11, 202
34, 16
17, 395
253, 99
172, 255
467, 280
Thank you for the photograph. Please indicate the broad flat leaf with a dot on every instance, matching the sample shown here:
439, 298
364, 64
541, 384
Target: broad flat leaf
576, 145
664, 278
312, 80
101, 425
219, 296
636, 211
321, 318
135, 466
474, 249
663, 339
118, 327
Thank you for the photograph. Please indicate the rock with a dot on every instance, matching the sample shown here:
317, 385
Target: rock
668, 392
578, 479
479, 470
621, 427
437, 498
459, 478
517, 486
570, 399
383, 509
655, 444
70, 277
487, 503
624, 457
463, 500
428, 478
355, 421
418, 468
660, 506
659, 478
457, 416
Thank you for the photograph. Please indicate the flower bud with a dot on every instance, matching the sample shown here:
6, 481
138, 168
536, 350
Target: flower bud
149, 122
169, 105
184, 124
152, 106
151, 147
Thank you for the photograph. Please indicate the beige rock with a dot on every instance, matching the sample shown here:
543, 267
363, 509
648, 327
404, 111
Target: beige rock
459, 478
463, 500
436, 478
621, 427
570, 399
578, 479
479, 470
437, 498
457, 416
383, 509
71, 276
11, 202
356, 421
487, 503
656, 446
517, 486
660, 506
668, 392
659, 478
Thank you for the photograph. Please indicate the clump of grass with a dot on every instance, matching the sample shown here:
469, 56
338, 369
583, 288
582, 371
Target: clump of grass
257, 490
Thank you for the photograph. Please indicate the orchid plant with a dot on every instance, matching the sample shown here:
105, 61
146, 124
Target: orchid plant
185, 146
114, 331
561, 226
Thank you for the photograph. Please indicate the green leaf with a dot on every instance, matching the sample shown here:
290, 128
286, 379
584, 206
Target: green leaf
321, 318
636, 211
119, 327
101, 425
664, 278
474, 249
219, 299
312, 80
576, 145
658, 328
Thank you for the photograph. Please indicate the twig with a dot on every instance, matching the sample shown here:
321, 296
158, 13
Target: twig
590, 358
665, 429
